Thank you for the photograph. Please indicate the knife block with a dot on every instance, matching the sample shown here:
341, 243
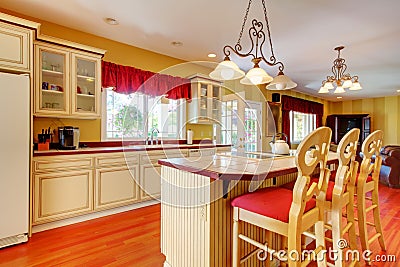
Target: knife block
44, 146
44, 142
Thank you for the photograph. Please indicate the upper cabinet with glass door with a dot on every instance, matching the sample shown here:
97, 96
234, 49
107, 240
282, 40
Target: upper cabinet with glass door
68, 82
206, 100
52, 85
86, 85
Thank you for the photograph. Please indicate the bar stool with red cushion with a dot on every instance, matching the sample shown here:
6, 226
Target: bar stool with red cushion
367, 181
340, 197
289, 213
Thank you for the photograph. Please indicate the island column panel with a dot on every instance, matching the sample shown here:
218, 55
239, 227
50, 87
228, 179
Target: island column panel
196, 221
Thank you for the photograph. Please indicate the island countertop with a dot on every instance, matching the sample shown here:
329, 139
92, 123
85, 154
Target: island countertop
221, 167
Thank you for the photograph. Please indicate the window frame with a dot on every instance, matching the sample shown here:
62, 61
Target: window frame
181, 126
310, 125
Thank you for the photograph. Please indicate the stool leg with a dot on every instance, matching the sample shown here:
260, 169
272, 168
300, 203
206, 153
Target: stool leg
235, 241
377, 219
320, 240
352, 230
361, 214
336, 217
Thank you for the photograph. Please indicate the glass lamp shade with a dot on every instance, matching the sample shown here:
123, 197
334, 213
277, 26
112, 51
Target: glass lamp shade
256, 76
226, 70
339, 90
323, 90
328, 85
355, 86
347, 84
281, 82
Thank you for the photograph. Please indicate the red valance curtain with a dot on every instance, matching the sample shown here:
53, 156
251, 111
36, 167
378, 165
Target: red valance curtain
127, 80
300, 105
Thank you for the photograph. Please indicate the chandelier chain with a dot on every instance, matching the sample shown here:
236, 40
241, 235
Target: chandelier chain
268, 30
244, 22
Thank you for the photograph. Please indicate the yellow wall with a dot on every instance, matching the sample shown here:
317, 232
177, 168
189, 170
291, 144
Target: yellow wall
384, 112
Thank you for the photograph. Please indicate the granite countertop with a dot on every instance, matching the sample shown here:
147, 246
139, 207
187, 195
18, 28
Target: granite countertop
127, 148
222, 167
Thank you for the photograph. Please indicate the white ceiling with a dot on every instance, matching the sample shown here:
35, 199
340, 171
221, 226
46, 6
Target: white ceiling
304, 33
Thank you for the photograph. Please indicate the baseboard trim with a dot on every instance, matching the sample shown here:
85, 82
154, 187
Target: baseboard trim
91, 216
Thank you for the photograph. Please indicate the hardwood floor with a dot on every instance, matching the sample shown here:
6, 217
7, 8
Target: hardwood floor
133, 239
127, 239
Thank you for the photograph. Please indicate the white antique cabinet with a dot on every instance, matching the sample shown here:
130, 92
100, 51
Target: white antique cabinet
67, 82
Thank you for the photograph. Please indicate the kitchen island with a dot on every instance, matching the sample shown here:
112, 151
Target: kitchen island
196, 215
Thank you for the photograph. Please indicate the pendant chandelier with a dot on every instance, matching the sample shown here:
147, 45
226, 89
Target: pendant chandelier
340, 80
229, 70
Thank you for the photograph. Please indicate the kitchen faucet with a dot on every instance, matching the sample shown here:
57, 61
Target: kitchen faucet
152, 135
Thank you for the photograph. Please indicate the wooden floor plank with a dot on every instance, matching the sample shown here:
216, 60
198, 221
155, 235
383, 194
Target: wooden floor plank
133, 239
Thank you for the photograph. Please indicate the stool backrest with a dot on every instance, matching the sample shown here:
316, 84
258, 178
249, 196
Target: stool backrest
346, 152
311, 153
371, 148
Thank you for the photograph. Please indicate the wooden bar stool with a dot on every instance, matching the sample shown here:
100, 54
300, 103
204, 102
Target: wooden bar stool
367, 181
289, 213
340, 196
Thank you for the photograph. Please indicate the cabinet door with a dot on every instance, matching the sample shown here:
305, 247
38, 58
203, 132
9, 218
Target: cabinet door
116, 187
150, 181
215, 102
86, 83
206, 101
52, 83
15, 43
366, 128
62, 195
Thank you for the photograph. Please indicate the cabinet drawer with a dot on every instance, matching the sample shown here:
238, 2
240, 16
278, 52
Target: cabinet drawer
116, 159
15, 43
153, 157
51, 164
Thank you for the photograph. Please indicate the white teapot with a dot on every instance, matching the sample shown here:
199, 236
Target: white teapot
279, 146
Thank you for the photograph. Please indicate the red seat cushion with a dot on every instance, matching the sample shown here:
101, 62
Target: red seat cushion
290, 185
271, 202
329, 190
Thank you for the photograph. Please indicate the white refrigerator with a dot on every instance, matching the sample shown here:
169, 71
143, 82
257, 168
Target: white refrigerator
14, 158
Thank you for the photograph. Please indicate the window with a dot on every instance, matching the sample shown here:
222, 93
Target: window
301, 124
134, 116
229, 120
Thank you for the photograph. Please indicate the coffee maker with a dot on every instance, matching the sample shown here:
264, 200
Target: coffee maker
68, 137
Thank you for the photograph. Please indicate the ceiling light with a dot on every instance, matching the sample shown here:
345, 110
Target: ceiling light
339, 97
177, 43
111, 21
256, 75
339, 78
211, 55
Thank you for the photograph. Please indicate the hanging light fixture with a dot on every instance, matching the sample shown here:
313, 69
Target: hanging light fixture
229, 70
340, 80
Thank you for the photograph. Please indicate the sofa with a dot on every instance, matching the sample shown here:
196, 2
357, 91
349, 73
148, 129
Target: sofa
390, 170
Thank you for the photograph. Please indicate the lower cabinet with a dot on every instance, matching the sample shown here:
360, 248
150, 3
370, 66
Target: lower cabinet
150, 181
116, 186
62, 195
71, 185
